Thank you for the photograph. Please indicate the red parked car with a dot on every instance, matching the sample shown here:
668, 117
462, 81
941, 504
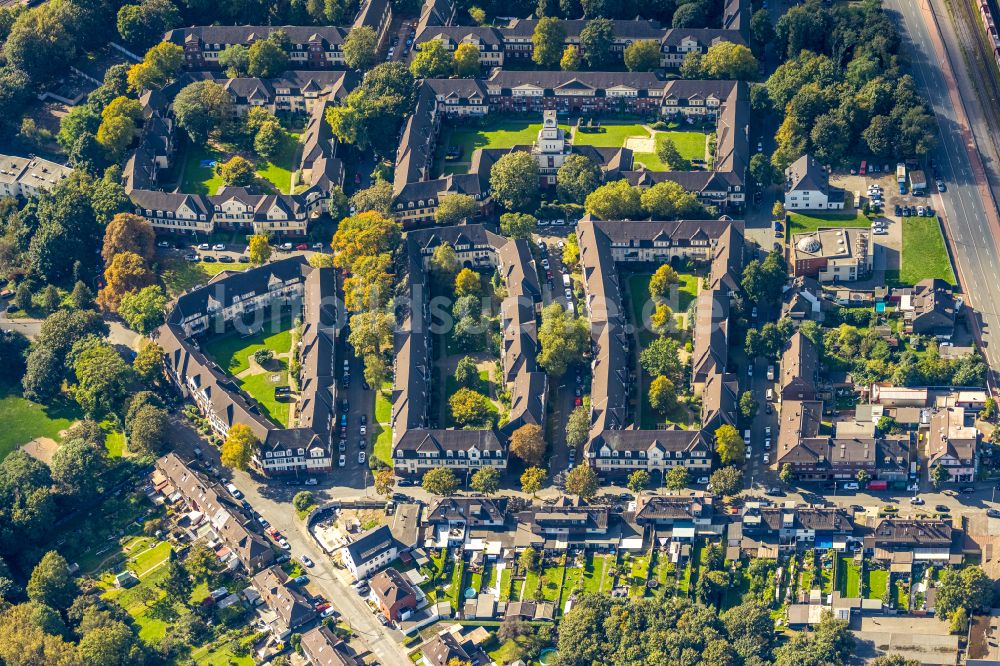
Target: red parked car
302, 246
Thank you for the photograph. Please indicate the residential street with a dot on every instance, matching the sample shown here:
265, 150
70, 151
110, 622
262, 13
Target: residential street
273, 501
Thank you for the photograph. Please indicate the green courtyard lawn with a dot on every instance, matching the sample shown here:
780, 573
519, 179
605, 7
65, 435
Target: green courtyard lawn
876, 584
494, 133
638, 285
612, 134
179, 275
530, 590
261, 388
691, 146
383, 445
925, 254
24, 420
232, 351
801, 223
199, 176
900, 595
148, 556
219, 653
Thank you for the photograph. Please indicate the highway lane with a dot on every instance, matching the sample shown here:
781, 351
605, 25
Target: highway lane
962, 206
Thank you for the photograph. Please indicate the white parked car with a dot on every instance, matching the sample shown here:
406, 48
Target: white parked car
283, 542
767, 458
204, 246
219, 247
286, 246
306, 561
342, 461
311, 481
361, 457
364, 429
917, 500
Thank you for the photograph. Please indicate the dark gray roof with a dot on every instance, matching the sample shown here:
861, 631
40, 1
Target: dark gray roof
248, 34
371, 544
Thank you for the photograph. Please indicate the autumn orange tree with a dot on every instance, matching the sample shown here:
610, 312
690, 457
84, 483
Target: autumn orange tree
126, 273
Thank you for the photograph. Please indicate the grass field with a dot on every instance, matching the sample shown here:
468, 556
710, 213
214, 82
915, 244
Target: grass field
552, 583
691, 146
638, 284
24, 420
800, 222
179, 275
500, 134
924, 252
198, 179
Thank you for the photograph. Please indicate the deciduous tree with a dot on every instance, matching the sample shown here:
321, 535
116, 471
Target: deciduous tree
518, 225
471, 409
642, 56
563, 339
638, 480
466, 60
126, 273
143, 310
729, 445
726, 481
729, 60
239, 446
514, 180
237, 171
361, 48
103, 379
577, 177
669, 201
202, 107
616, 200
582, 481
548, 40
528, 444
532, 480
432, 61
127, 232
486, 481
440, 481
662, 394
668, 153
453, 208
51, 583
570, 61
259, 249
596, 39
267, 58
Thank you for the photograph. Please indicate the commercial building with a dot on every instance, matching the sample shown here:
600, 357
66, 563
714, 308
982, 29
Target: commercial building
25, 177
841, 254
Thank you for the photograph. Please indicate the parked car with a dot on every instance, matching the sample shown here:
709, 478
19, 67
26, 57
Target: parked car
302, 246
917, 501
361, 457
342, 461
300, 580
993, 513
311, 481
968, 490
219, 247
286, 246
226, 259
306, 561
328, 612
204, 246
941, 508
284, 544
851, 485
163, 244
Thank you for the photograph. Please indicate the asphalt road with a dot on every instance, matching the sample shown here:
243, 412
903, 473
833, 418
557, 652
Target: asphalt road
962, 206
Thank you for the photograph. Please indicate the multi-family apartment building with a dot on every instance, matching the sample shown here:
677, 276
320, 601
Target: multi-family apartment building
417, 191
616, 448
289, 286
417, 446
24, 177
309, 47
